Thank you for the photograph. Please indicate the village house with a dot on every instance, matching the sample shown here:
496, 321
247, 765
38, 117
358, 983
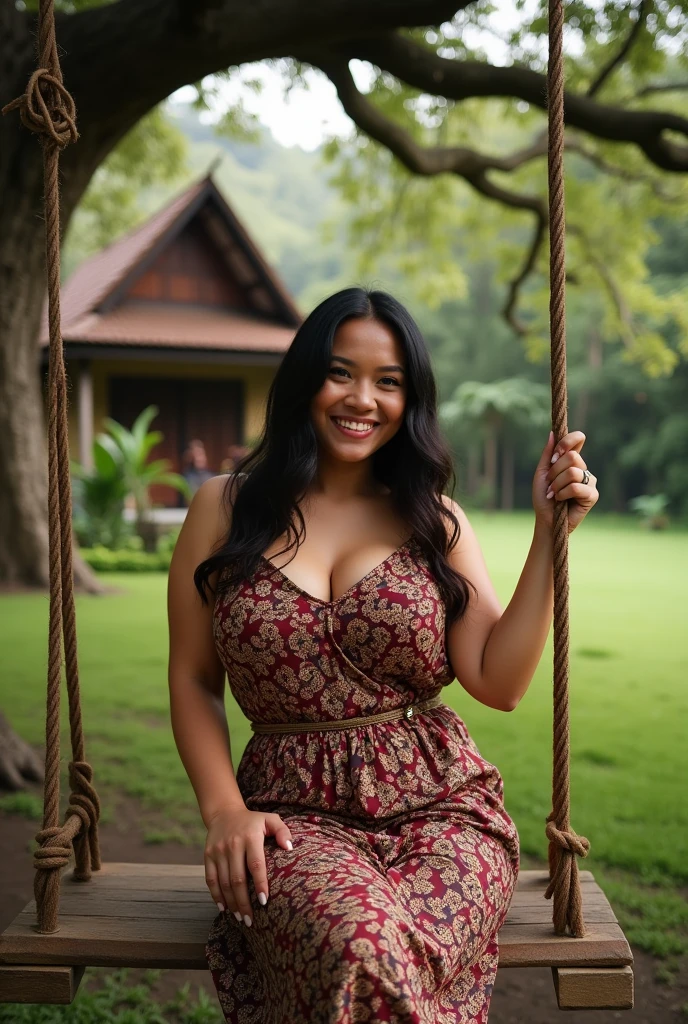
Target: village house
182, 312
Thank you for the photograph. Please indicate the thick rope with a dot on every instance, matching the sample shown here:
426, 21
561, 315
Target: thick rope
48, 109
564, 843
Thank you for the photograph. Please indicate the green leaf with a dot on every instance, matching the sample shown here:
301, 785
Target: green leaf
106, 458
142, 422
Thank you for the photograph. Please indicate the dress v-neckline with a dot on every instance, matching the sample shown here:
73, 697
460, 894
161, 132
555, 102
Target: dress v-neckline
347, 593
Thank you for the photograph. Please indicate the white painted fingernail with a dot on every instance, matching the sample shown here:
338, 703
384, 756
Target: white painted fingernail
290, 845
247, 920
262, 899
220, 908
237, 915
554, 457
550, 494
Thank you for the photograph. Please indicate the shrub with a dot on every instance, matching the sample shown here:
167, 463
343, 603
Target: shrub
132, 557
651, 508
102, 559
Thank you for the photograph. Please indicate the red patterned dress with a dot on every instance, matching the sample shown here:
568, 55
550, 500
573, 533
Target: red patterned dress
405, 859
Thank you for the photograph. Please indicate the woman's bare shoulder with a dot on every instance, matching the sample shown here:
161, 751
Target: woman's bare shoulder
455, 508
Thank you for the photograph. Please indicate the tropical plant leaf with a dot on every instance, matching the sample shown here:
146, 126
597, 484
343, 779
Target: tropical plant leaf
123, 438
142, 422
107, 459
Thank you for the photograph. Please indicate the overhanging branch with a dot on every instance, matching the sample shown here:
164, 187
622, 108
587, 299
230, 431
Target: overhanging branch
120, 59
649, 90
421, 68
466, 163
620, 57
469, 164
576, 145
425, 160
627, 329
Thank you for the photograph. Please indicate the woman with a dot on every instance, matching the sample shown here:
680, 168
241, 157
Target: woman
362, 865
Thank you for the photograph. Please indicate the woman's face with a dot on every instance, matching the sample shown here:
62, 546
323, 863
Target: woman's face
361, 404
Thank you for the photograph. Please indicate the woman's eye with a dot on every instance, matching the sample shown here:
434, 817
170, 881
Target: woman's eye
341, 371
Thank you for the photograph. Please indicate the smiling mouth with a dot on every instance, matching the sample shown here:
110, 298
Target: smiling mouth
354, 428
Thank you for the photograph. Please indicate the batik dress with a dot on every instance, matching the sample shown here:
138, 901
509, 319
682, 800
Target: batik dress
404, 858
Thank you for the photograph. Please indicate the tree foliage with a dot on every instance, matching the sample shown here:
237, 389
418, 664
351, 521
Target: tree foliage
153, 152
613, 192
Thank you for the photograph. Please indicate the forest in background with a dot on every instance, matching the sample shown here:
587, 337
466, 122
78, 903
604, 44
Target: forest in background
636, 424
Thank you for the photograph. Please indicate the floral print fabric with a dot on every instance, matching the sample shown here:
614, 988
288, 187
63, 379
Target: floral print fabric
405, 859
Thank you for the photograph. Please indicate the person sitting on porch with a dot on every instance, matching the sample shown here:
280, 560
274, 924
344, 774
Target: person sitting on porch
195, 465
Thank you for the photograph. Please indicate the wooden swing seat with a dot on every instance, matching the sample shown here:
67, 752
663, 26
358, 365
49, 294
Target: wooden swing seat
159, 915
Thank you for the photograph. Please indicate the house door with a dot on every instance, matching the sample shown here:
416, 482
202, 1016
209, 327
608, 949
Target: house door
207, 410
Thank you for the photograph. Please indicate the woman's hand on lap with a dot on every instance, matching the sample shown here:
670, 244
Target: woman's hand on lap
235, 843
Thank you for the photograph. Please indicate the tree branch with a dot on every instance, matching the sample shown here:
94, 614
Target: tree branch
421, 68
425, 160
623, 52
120, 60
649, 90
625, 314
166, 45
574, 145
509, 310
470, 165
162, 46
466, 163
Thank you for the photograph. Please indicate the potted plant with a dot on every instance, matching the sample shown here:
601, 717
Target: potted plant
121, 468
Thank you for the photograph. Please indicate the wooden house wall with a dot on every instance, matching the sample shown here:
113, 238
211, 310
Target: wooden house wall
189, 270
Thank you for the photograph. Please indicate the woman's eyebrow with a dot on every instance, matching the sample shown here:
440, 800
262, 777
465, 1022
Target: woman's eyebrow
352, 362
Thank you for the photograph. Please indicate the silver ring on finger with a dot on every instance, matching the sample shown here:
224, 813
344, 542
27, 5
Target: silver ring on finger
586, 477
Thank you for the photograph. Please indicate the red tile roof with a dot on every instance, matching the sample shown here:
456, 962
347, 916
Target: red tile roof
179, 326
143, 323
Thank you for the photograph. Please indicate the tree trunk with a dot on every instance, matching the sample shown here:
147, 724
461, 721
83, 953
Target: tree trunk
23, 446
507, 502
580, 416
473, 469
491, 466
23, 462
19, 763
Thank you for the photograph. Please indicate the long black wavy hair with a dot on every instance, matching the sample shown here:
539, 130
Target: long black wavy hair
266, 486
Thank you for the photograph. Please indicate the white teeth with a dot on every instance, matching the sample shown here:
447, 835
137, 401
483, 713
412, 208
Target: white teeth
353, 425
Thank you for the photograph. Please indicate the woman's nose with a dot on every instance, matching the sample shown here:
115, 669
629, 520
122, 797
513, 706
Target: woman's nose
360, 397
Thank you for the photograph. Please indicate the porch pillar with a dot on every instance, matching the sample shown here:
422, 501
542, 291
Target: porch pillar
86, 414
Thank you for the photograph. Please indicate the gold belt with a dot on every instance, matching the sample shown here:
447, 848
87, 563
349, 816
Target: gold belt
349, 723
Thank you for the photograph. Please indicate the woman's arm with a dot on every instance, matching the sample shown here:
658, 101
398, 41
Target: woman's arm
516, 643
234, 847
495, 652
195, 673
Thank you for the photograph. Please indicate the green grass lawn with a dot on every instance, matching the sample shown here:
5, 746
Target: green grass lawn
629, 708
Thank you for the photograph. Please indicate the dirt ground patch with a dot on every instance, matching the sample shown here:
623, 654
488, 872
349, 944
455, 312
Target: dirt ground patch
520, 996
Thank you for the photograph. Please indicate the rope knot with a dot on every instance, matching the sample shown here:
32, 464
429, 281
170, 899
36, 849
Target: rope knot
568, 839
83, 800
47, 108
57, 855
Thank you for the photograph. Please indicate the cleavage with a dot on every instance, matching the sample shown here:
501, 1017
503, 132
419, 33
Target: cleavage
307, 591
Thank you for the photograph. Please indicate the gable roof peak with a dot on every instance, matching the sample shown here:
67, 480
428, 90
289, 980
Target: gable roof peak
93, 286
